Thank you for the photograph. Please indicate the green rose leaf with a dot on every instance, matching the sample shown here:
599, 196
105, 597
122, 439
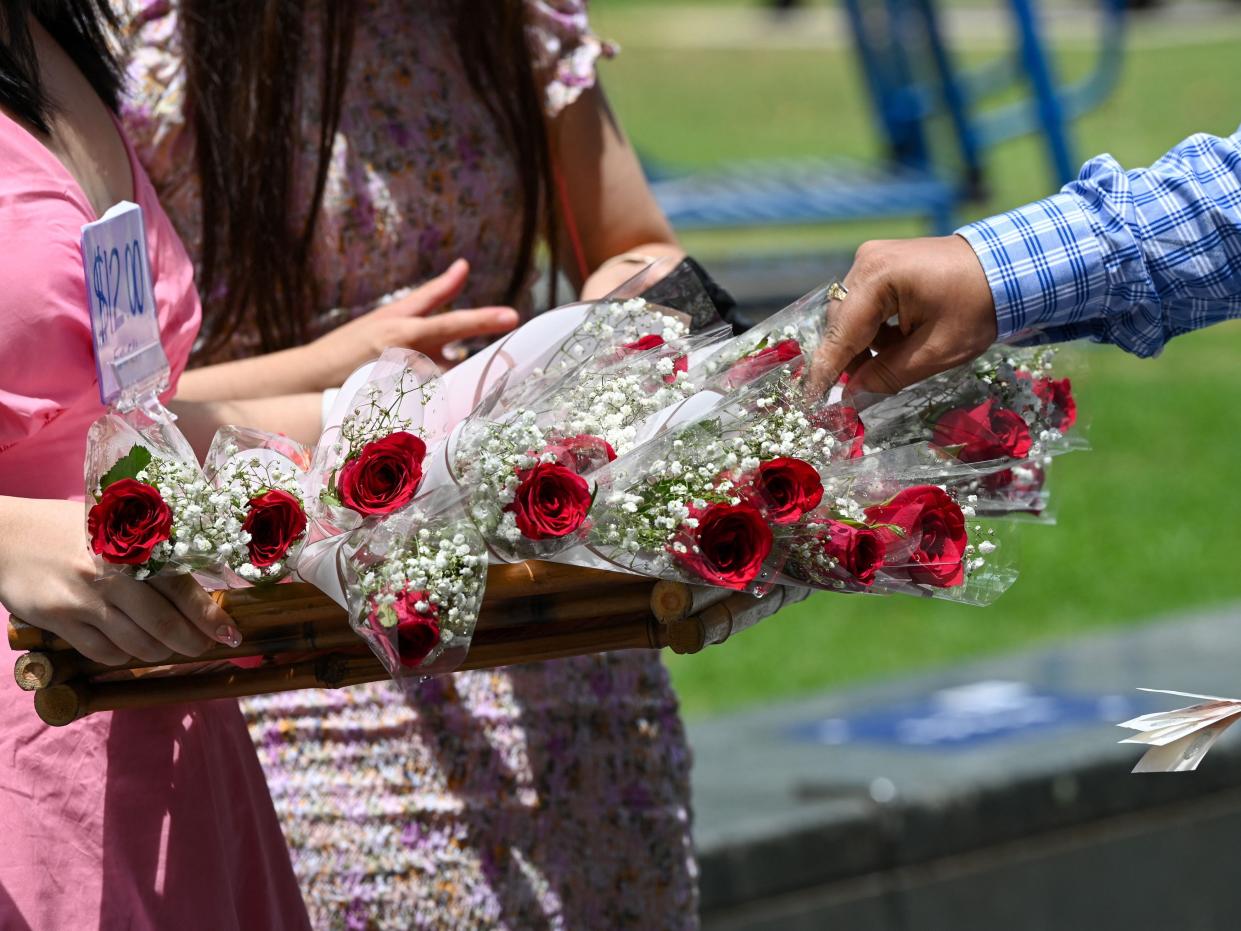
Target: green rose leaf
128, 466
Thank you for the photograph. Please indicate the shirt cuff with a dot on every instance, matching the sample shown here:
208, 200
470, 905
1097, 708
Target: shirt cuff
1043, 263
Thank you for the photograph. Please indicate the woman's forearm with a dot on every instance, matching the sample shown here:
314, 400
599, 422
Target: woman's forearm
298, 416
619, 269
290, 371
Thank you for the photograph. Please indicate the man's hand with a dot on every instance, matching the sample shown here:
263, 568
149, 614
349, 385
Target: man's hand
938, 292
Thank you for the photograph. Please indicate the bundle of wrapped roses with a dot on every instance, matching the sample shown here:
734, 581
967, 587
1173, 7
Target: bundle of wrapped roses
600, 435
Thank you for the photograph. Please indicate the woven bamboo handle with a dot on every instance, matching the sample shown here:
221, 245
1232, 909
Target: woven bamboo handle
262, 608
38, 670
67, 702
726, 617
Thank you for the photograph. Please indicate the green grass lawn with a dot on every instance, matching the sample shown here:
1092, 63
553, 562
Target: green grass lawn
1148, 521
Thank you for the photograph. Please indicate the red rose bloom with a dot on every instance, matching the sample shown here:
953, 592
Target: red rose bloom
130, 520
858, 551
1058, 395
276, 521
550, 502
417, 632
728, 546
844, 424
582, 453
1019, 485
784, 489
745, 370
985, 432
643, 343
679, 364
384, 476
930, 548
654, 341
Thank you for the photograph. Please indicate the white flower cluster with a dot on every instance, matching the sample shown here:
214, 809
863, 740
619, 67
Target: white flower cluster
489, 457
379, 414
614, 402
983, 542
808, 562
999, 373
243, 478
610, 324
204, 533
448, 562
701, 466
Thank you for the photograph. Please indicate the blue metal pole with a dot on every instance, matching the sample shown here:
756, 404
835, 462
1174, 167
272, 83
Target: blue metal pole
1046, 94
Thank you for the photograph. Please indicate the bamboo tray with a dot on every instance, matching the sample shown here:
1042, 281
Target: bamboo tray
531, 611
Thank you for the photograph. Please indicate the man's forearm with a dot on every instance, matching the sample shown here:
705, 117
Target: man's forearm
1132, 258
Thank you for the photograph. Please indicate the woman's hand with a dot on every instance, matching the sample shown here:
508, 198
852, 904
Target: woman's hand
411, 322
48, 579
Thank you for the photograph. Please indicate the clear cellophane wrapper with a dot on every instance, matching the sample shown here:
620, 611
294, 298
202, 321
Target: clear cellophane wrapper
576, 422
154, 453
785, 335
971, 411
529, 484
248, 466
1006, 415
558, 344
616, 394
698, 458
525, 362
412, 582
894, 522
401, 393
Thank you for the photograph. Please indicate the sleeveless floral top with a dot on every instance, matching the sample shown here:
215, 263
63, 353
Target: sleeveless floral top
419, 174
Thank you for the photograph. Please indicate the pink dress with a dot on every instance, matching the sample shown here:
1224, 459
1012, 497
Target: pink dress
552, 795
138, 819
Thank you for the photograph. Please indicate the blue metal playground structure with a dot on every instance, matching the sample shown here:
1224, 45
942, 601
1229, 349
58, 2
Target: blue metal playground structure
916, 88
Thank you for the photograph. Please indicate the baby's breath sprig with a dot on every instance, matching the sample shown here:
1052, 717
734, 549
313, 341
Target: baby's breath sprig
243, 479
379, 413
203, 533
446, 563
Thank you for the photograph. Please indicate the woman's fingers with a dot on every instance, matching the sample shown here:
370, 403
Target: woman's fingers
434, 295
94, 644
145, 606
121, 637
188, 597
432, 332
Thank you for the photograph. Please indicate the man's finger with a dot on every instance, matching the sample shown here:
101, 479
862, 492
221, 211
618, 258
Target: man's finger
902, 361
460, 325
851, 325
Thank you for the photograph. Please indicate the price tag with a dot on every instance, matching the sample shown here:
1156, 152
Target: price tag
129, 357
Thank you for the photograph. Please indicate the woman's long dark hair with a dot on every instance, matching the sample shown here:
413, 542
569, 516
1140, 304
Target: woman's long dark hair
81, 27
244, 68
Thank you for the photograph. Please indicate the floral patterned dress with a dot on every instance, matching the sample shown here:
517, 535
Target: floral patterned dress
547, 795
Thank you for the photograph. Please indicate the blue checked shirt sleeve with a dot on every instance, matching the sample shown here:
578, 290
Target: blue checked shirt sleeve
1126, 257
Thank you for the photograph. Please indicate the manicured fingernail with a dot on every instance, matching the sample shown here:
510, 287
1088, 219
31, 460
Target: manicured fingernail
228, 635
